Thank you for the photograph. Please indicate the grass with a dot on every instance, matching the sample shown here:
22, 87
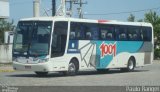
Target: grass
5, 65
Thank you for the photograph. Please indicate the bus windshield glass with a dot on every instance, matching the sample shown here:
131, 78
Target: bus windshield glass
32, 38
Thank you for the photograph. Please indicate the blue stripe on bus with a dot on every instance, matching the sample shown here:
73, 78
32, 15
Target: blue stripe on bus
73, 52
121, 46
73, 47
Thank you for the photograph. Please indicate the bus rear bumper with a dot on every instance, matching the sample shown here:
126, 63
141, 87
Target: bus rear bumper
42, 67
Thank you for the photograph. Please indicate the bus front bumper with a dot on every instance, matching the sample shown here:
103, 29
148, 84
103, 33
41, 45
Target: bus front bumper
41, 67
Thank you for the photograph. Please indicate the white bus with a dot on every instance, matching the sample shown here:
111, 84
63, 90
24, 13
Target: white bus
69, 45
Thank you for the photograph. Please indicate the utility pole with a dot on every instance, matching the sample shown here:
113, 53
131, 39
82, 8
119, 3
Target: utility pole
61, 11
80, 8
71, 6
53, 7
36, 8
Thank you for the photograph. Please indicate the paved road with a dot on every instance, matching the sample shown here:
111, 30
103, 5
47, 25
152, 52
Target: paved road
147, 76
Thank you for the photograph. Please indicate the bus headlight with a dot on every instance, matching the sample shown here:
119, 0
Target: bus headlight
43, 60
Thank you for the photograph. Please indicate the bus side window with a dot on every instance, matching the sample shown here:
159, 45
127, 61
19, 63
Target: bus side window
59, 38
103, 34
109, 36
83, 31
121, 34
88, 35
106, 32
134, 34
72, 35
76, 31
91, 31
146, 34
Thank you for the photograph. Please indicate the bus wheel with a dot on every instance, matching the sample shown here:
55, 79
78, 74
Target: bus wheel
130, 65
41, 73
72, 69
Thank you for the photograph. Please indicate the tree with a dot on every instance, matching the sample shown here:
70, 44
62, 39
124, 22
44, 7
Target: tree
154, 19
5, 26
131, 18
140, 20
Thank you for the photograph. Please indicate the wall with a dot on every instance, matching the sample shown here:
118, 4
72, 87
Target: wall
4, 9
6, 53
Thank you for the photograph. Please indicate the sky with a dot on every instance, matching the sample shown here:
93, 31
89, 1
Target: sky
94, 9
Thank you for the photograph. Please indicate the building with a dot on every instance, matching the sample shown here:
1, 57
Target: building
5, 49
4, 9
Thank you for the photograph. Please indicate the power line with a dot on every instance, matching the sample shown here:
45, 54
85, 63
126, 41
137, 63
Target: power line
115, 13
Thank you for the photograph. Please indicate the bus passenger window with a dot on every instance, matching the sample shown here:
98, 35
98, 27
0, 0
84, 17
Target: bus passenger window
146, 34
103, 35
121, 34
109, 36
134, 34
72, 35
107, 32
88, 35
76, 32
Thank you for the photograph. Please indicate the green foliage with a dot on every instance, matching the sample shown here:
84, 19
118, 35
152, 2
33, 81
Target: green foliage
152, 17
140, 20
131, 18
157, 53
5, 26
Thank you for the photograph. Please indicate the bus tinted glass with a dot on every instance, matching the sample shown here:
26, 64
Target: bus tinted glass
146, 34
32, 38
134, 33
121, 33
83, 31
109, 32
59, 38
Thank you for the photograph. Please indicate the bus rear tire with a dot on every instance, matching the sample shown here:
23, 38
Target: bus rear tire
130, 66
41, 74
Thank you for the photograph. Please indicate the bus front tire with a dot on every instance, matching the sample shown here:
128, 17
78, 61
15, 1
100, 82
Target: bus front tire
72, 69
41, 73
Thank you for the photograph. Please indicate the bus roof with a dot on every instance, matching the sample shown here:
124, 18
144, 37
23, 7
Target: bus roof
59, 18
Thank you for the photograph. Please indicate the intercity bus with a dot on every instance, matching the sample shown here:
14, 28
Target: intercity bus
69, 45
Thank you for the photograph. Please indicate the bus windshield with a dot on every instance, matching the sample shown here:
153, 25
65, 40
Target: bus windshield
32, 38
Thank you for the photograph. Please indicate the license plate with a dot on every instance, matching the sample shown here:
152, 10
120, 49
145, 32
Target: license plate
27, 67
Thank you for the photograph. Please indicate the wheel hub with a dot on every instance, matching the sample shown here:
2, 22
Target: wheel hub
131, 65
